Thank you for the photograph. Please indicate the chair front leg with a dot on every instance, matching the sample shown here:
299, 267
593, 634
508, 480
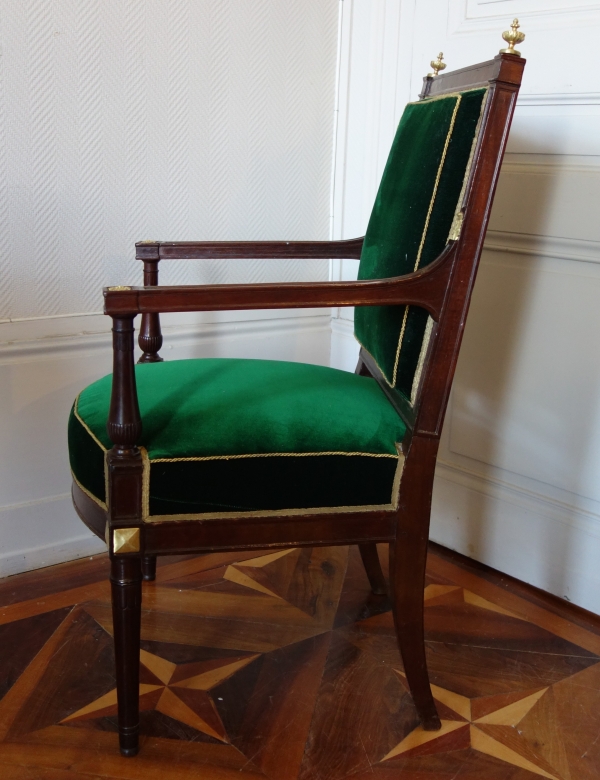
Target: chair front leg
126, 586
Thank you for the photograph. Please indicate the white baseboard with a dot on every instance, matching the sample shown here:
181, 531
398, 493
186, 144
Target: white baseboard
42, 533
545, 542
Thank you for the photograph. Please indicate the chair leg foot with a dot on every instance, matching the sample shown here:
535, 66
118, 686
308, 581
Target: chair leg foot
433, 723
126, 586
407, 576
370, 559
129, 744
149, 568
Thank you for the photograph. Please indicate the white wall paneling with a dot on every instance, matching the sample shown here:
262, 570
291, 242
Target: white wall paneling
518, 483
123, 120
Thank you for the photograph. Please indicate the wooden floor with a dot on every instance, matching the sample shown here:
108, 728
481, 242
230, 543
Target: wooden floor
284, 666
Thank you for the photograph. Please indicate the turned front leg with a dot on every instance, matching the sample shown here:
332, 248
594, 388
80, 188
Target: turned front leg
126, 586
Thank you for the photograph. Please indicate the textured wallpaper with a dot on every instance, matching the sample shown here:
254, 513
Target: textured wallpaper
123, 120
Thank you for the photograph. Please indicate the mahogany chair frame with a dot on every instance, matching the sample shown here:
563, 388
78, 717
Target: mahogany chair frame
443, 288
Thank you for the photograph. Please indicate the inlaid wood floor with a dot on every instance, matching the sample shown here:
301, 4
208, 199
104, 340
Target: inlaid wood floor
284, 666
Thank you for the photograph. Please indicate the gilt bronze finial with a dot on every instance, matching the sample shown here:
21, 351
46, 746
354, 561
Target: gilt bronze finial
437, 65
512, 37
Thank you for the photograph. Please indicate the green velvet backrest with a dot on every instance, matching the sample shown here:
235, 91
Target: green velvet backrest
416, 205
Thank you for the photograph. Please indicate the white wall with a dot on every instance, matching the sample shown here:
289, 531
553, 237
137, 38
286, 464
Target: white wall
518, 481
122, 120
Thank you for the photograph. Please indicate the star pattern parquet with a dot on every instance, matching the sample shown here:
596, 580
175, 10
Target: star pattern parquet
284, 666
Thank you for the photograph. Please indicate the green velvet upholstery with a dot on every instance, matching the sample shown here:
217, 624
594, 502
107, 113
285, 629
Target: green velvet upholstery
411, 220
227, 435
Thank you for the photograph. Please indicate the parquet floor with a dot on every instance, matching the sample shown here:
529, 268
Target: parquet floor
284, 666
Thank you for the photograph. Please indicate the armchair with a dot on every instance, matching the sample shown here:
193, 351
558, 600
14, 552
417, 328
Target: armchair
221, 454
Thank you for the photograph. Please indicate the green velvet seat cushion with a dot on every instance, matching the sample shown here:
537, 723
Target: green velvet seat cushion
411, 221
229, 435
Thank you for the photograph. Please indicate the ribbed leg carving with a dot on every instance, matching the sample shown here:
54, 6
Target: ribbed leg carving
126, 585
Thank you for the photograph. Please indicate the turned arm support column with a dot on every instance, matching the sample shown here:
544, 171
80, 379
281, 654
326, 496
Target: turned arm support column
124, 428
150, 338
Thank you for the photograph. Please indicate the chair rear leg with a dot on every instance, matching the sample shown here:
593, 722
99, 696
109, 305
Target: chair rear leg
370, 559
126, 586
149, 568
408, 556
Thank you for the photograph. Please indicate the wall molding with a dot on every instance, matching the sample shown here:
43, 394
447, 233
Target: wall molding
558, 247
559, 99
73, 541
551, 544
564, 512
528, 163
50, 347
573, 249
51, 554
532, 19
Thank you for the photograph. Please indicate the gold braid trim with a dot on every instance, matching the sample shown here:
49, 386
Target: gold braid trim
321, 510
426, 228
145, 484
398, 478
456, 226
444, 96
106, 481
454, 230
147, 518
266, 513
86, 426
421, 362
83, 489
271, 455
454, 235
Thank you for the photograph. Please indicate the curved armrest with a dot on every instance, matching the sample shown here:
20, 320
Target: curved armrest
195, 250
426, 288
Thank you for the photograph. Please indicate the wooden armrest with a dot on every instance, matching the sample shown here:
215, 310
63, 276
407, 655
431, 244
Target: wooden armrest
194, 250
425, 288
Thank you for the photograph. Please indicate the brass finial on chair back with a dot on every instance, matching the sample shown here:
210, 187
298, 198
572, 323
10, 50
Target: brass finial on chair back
512, 37
437, 65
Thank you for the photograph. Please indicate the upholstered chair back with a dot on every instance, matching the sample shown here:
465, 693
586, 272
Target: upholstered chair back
416, 211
